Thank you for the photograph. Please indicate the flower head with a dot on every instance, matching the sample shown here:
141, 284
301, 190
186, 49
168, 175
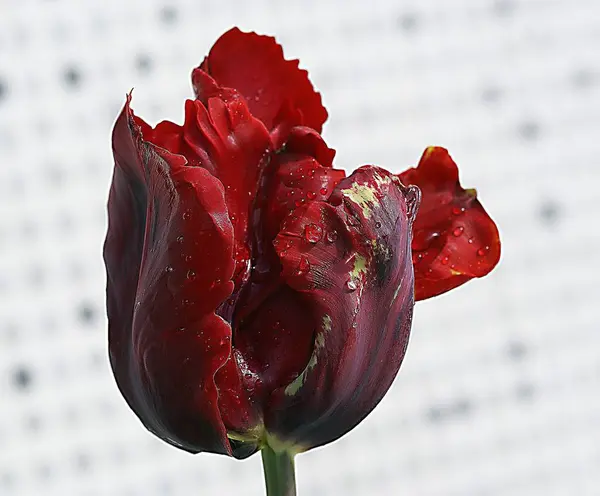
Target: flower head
255, 293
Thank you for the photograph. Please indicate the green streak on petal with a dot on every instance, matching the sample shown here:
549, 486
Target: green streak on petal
297, 383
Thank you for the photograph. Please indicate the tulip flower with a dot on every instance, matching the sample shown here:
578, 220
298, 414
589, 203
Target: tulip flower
258, 298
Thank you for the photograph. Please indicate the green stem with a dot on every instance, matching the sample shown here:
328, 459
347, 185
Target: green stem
280, 478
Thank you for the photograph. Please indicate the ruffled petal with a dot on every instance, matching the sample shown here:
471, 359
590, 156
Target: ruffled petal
301, 173
169, 258
348, 260
454, 239
277, 91
226, 140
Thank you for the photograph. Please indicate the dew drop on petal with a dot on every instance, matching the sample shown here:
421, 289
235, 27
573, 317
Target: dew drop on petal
303, 265
482, 251
180, 239
168, 268
188, 258
417, 257
423, 239
458, 210
331, 236
445, 261
471, 241
299, 202
191, 275
377, 225
458, 231
187, 215
323, 191
313, 233
311, 195
351, 285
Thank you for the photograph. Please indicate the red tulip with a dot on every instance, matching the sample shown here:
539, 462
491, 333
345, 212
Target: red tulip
256, 295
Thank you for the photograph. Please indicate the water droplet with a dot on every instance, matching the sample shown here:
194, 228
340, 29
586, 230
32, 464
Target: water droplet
482, 251
351, 285
417, 257
191, 275
445, 261
458, 231
180, 329
323, 191
311, 195
187, 215
332, 236
248, 375
311, 172
303, 265
377, 225
168, 268
471, 241
188, 258
458, 210
299, 202
424, 239
180, 239
313, 233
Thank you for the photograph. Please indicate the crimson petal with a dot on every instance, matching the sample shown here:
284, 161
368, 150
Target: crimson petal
277, 91
169, 240
454, 239
225, 139
349, 262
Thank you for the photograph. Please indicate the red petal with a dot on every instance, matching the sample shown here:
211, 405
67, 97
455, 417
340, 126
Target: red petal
233, 146
301, 173
348, 260
277, 91
454, 239
169, 240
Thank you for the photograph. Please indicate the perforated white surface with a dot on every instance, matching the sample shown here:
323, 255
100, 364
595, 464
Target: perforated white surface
498, 394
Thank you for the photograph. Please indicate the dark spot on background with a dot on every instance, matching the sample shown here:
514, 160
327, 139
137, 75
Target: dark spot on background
529, 130
143, 63
491, 94
503, 8
72, 77
516, 350
87, 313
3, 90
549, 212
83, 462
524, 391
168, 14
583, 78
22, 378
408, 22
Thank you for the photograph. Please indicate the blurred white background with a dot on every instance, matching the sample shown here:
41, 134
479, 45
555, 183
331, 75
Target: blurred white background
498, 394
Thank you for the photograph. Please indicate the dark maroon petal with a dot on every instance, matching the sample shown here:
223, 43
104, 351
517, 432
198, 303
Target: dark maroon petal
169, 258
454, 239
277, 91
349, 262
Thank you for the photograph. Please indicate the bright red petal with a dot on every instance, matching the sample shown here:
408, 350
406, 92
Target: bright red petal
225, 139
170, 240
454, 239
301, 173
277, 91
